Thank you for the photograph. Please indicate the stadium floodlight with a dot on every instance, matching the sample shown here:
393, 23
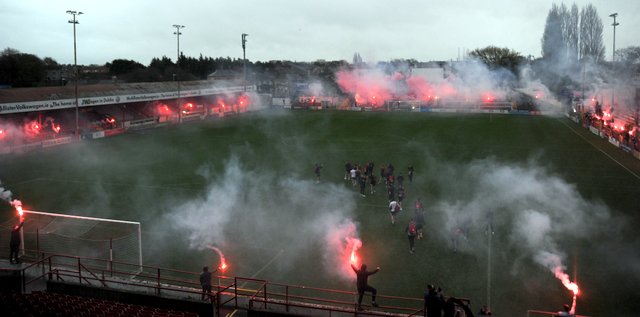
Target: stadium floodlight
244, 59
177, 76
74, 21
613, 58
614, 24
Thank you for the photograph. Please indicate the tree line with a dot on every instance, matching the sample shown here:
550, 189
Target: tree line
571, 37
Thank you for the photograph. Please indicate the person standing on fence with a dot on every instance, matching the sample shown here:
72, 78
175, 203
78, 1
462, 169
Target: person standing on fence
14, 244
205, 282
362, 276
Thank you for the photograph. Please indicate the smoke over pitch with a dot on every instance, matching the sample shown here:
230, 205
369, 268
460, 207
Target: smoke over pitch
269, 216
538, 209
6, 194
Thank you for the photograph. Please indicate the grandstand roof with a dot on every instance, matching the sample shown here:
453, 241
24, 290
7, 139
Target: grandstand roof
84, 91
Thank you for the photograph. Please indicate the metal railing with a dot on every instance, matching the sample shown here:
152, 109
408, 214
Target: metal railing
235, 292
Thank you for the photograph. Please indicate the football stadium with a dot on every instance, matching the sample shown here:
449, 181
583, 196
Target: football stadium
524, 211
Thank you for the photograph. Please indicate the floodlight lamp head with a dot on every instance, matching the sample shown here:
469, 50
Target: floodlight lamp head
613, 15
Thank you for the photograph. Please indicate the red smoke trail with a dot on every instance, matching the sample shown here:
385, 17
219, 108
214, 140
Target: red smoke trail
341, 245
554, 263
223, 263
572, 286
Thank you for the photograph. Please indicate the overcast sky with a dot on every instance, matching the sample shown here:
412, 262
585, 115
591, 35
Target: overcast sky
297, 30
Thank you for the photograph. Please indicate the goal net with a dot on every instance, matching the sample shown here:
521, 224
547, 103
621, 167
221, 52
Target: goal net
106, 240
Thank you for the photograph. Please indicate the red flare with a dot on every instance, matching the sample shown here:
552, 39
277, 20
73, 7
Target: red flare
223, 263
353, 244
18, 206
354, 258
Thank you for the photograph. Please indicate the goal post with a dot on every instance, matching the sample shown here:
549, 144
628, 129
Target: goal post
90, 237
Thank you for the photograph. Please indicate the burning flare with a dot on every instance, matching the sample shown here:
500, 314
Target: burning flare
223, 263
18, 206
564, 278
353, 244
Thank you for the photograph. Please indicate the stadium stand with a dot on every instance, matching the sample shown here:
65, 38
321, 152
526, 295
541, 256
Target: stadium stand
40, 303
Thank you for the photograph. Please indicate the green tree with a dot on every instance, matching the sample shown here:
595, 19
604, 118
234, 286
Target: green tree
121, 67
496, 57
628, 55
21, 70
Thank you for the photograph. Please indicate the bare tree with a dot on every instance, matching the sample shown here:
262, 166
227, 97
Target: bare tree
572, 36
552, 39
591, 45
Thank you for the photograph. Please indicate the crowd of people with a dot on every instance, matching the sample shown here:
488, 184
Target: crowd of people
363, 178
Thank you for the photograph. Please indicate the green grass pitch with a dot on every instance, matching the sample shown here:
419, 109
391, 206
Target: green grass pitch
246, 185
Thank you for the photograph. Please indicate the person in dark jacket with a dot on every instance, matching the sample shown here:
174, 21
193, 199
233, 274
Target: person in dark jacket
14, 244
433, 302
363, 285
205, 282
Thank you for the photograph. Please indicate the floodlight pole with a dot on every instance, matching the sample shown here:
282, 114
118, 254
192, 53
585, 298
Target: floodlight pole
613, 58
244, 59
74, 21
614, 15
177, 77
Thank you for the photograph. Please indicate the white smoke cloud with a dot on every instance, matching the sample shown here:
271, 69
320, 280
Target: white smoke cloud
5, 194
204, 219
270, 214
537, 208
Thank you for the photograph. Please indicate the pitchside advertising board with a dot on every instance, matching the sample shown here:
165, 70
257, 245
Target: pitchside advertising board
42, 105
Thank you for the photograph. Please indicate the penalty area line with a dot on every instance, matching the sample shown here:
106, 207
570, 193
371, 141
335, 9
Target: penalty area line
599, 149
268, 263
265, 266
